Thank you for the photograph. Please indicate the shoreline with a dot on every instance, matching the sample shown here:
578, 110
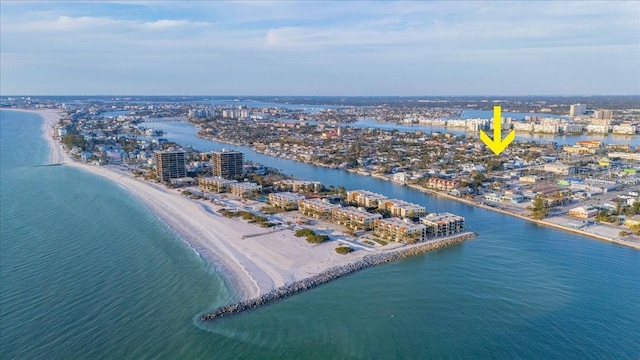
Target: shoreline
335, 272
458, 199
252, 266
534, 221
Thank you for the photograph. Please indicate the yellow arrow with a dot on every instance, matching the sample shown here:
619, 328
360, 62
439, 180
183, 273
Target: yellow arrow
497, 145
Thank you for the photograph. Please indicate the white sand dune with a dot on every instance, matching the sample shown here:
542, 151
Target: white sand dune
253, 266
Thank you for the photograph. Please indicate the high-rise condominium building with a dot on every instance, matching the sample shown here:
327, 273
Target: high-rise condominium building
227, 163
577, 109
170, 164
603, 114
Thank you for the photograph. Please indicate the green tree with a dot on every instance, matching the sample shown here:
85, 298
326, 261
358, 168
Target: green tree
304, 232
71, 140
539, 208
343, 250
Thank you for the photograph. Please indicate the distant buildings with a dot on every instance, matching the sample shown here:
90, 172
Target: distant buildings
603, 114
624, 129
227, 163
585, 147
170, 164
559, 168
577, 109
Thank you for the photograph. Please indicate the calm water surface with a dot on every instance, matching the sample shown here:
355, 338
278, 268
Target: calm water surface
88, 272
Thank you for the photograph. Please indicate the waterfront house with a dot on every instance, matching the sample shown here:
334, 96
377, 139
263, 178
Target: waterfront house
442, 184
582, 212
512, 198
493, 197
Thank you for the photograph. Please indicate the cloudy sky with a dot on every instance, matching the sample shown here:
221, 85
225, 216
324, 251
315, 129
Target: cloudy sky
319, 48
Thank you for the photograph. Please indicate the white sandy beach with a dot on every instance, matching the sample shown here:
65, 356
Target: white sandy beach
253, 265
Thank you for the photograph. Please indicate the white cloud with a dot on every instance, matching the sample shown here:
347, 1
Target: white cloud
306, 41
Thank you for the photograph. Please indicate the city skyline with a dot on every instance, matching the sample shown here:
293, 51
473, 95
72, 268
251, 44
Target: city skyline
320, 48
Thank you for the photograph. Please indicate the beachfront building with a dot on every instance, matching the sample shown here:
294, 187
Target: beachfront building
442, 184
285, 200
582, 212
215, 184
299, 185
227, 163
365, 198
316, 208
394, 229
442, 224
354, 218
244, 189
170, 164
403, 209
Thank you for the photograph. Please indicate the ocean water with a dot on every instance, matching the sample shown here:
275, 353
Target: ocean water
86, 271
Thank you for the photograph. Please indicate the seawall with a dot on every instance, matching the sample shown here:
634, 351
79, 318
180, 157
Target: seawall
539, 222
334, 273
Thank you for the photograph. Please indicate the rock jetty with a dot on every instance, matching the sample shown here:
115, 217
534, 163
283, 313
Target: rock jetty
331, 274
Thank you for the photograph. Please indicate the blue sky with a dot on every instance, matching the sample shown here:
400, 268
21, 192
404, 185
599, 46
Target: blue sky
320, 48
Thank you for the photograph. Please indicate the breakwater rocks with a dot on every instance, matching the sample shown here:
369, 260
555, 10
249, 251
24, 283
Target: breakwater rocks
333, 273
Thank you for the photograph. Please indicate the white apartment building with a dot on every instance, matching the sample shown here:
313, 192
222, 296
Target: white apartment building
354, 218
401, 208
443, 224
624, 129
316, 208
215, 184
244, 189
365, 198
394, 229
299, 185
285, 200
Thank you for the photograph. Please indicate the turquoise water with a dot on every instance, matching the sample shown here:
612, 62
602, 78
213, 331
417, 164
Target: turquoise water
86, 271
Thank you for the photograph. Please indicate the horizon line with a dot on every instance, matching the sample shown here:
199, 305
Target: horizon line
336, 96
